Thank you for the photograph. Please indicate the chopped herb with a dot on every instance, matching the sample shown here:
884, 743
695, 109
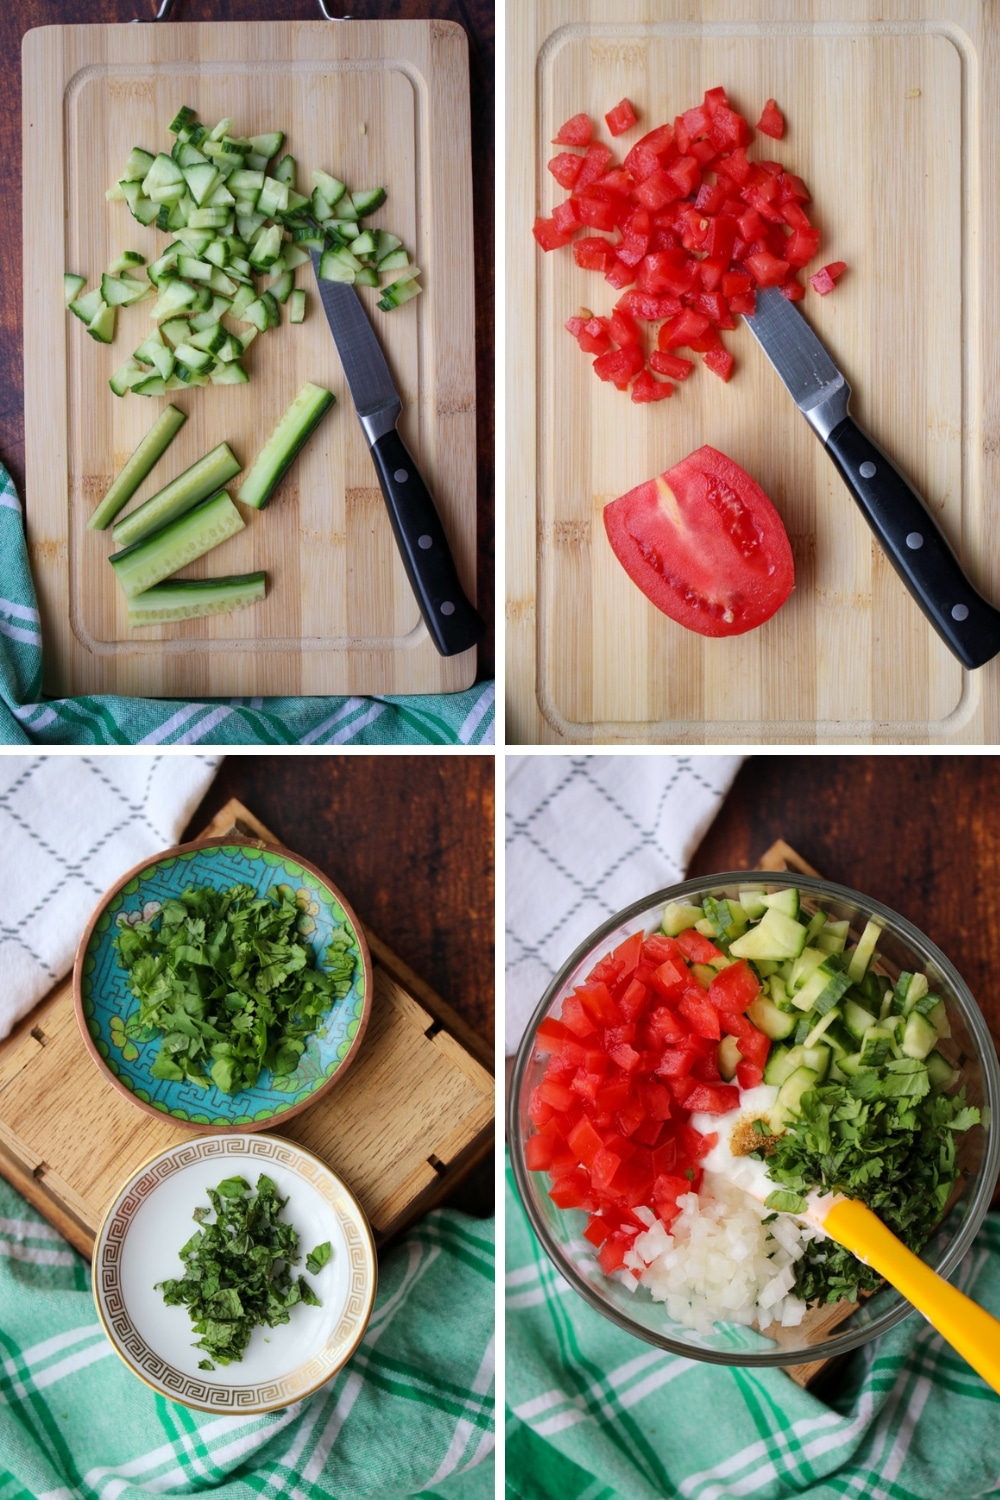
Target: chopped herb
228, 983
785, 1202
318, 1258
237, 1269
762, 1127
881, 1137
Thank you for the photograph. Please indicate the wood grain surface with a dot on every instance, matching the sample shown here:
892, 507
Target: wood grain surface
910, 206
378, 102
475, 15
408, 1122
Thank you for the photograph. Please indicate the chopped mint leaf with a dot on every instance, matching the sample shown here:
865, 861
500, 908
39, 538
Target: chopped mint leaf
237, 1269
318, 1258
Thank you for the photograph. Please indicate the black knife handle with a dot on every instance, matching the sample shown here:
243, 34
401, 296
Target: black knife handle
909, 536
453, 623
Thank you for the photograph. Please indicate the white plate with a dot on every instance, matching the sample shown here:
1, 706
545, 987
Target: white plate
145, 1227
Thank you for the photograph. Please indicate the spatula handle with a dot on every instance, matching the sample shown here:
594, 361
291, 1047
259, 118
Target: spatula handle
966, 1326
916, 548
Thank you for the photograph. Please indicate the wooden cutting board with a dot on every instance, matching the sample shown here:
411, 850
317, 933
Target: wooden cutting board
410, 1120
379, 103
892, 117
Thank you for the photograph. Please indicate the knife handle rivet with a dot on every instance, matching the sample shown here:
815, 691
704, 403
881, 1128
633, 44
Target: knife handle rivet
400, 476
448, 608
867, 469
960, 612
425, 542
914, 540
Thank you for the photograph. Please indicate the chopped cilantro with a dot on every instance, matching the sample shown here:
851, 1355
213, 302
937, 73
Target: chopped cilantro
881, 1137
229, 985
237, 1269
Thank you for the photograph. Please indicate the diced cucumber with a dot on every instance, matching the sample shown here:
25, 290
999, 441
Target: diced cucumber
729, 1057
778, 1067
863, 953
194, 598
786, 1106
679, 916
940, 1072
821, 1028
102, 325
138, 164
766, 1016
297, 306
72, 286
122, 291
833, 938
267, 145
776, 936
857, 1019
804, 966
915, 991
822, 989
364, 244
293, 430
198, 360
188, 537
184, 116
815, 926
231, 373
877, 1044
127, 376
199, 480
282, 286
88, 306
368, 201
919, 1036
330, 189
398, 293
174, 295
150, 450
785, 900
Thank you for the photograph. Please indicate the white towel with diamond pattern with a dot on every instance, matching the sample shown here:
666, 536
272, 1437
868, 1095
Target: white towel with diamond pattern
70, 825
585, 836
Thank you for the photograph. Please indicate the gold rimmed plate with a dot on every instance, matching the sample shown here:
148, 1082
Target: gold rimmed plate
138, 1245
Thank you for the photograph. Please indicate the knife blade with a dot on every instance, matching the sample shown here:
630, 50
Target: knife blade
451, 620
904, 527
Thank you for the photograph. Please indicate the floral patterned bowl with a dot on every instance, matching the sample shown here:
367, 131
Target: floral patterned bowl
104, 1002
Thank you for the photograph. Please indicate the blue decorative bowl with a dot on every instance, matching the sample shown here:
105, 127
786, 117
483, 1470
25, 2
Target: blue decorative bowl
104, 1001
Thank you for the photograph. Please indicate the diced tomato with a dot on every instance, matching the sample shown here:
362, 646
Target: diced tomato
624, 330
696, 948
824, 280
548, 235
701, 1015
595, 211
713, 1099
551, 1035
619, 275
585, 1141
576, 132
625, 1056
748, 1075
621, 118
772, 121
565, 168
619, 365
612, 1253
596, 1231
793, 290
766, 269
571, 1190
733, 988
595, 164
599, 1003
593, 253
578, 1021
646, 388
566, 217
670, 364
648, 308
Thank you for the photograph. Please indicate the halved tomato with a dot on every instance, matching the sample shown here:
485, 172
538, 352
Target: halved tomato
705, 544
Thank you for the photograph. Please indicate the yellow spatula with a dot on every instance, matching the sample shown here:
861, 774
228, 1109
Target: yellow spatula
968, 1328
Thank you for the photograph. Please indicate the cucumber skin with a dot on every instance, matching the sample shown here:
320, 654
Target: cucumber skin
141, 566
157, 512
206, 596
257, 491
152, 448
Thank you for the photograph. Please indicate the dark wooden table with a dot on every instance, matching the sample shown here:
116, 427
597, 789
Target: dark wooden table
409, 840
477, 16
918, 832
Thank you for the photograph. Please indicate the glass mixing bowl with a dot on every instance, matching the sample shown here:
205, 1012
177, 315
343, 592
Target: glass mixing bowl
970, 1049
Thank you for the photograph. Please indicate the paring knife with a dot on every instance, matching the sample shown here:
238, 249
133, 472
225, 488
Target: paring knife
453, 624
918, 551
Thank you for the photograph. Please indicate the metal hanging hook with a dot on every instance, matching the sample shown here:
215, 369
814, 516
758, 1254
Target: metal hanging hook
162, 14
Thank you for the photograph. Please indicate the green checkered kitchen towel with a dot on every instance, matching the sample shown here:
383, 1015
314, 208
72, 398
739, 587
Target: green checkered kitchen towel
595, 1414
28, 719
410, 1414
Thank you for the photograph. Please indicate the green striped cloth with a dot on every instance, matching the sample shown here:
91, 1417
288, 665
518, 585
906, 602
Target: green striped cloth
595, 1414
26, 718
410, 1414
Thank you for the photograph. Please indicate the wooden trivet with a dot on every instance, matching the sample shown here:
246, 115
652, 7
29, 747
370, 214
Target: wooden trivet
410, 1120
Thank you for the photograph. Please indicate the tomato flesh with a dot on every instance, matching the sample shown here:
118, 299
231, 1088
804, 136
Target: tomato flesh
612, 1113
694, 224
706, 546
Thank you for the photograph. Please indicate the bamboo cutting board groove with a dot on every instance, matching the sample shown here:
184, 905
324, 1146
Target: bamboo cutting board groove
410, 1120
378, 103
892, 115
